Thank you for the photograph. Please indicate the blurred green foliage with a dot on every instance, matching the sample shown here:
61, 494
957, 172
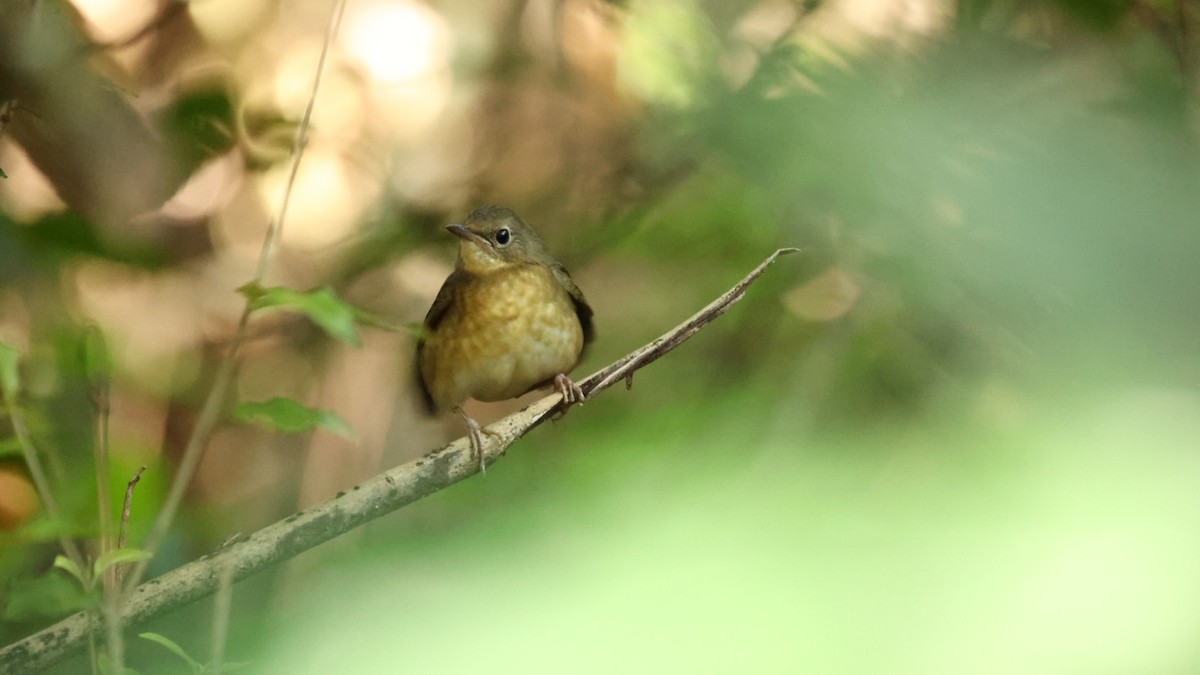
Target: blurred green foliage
938, 547
987, 464
200, 126
290, 416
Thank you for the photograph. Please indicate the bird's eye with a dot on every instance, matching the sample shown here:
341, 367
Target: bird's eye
502, 236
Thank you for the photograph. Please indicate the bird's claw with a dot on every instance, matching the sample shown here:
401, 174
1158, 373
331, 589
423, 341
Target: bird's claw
571, 392
475, 435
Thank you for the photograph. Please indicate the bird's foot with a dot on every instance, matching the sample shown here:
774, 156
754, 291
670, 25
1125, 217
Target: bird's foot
571, 393
475, 434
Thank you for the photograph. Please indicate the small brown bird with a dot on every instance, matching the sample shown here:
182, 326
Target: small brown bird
508, 320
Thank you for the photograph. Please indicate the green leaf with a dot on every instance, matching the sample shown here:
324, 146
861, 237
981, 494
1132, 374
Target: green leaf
197, 126
172, 647
42, 528
64, 563
10, 377
252, 291
62, 235
2, 174
51, 595
118, 556
367, 318
291, 417
323, 306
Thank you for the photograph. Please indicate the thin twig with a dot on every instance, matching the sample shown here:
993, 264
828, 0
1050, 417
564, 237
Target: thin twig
210, 413
40, 482
363, 503
192, 453
103, 495
128, 503
267, 253
95, 358
94, 354
112, 599
93, 653
114, 638
111, 584
222, 603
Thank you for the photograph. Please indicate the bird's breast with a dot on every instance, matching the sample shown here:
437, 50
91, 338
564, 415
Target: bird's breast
505, 333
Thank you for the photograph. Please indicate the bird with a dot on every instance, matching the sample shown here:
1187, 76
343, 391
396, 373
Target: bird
508, 320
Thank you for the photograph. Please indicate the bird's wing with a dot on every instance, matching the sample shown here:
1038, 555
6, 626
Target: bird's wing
442, 302
582, 309
433, 317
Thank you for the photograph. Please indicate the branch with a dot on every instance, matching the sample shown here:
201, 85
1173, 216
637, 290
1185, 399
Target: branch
351, 508
102, 157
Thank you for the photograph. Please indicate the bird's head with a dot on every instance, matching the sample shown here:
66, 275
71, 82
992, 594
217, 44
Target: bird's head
493, 237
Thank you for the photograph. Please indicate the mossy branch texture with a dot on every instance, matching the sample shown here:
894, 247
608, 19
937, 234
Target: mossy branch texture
351, 508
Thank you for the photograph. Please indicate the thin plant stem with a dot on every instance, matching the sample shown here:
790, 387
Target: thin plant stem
125, 510
192, 453
222, 602
103, 495
114, 638
93, 656
99, 384
211, 411
39, 480
110, 589
299, 142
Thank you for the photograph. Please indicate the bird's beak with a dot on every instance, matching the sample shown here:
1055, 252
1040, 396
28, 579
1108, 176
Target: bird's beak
467, 235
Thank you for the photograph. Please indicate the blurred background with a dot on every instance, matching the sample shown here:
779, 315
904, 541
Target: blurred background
958, 433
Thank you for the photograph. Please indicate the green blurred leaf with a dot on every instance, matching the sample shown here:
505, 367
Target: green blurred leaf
2, 174
48, 596
64, 563
323, 306
668, 54
43, 528
171, 646
118, 556
1106, 14
266, 136
199, 126
374, 320
60, 235
252, 291
10, 379
291, 417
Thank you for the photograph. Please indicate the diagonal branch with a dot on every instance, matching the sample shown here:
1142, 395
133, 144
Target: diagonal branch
363, 503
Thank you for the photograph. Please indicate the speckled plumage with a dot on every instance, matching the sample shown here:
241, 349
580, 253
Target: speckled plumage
509, 319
